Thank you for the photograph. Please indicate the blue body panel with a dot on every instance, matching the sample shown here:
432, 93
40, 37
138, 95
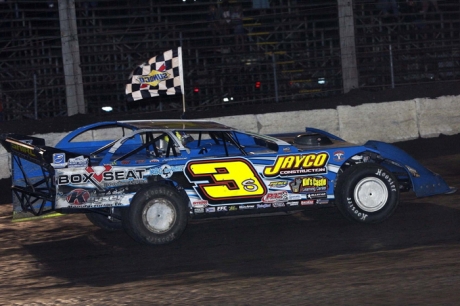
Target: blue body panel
427, 184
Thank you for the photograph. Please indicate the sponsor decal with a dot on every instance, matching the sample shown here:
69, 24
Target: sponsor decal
125, 162
114, 191
294, 197
174, 158
318, 195
278, 184
77, 196
292, 203
200, 203
279, 204
286, 149
322, 201
307, 202
288, 165
198, 210
225, 180
81, 198
77, 162
166, 171
110, 200
243, 207
222, 208
140, 161
233, 208
106, 176
154, 161
59, 160
264, 206
113, 197
339, 155
21, 149
90, 205
277, 196
309, 184
154, 77
210, 209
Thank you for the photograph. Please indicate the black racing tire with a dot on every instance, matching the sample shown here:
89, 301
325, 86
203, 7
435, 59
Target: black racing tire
367, 193
157, 215
103, 222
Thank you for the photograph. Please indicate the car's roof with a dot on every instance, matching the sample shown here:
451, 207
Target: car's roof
167, 124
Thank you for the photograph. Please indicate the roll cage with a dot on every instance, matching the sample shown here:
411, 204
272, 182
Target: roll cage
173, 143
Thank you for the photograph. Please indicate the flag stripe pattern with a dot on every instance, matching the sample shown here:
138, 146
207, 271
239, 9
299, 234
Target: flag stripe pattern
161, 75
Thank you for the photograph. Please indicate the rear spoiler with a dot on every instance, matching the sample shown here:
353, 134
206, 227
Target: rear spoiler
32, 167
27, 148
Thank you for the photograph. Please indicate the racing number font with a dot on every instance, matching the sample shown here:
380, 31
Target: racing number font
227, 180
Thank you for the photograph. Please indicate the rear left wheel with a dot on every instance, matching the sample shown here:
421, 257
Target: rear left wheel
157, 215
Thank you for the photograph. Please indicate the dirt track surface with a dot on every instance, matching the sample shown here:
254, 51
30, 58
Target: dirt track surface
317, 258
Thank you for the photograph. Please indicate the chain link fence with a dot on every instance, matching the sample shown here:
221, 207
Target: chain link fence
289, 51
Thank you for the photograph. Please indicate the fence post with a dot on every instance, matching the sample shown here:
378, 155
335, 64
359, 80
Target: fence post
392, 69
71, 58
275, 80
347, 45
35, 97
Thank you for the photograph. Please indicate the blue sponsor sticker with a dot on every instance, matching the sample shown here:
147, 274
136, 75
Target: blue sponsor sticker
59, 160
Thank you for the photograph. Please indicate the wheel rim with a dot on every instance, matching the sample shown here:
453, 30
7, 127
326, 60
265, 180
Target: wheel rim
159, 216
371, 194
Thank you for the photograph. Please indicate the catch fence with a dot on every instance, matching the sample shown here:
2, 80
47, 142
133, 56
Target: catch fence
290, 51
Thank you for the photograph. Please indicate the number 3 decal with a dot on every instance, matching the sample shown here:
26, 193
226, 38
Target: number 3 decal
226, 180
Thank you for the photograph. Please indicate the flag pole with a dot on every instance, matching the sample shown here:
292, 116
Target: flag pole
181, 74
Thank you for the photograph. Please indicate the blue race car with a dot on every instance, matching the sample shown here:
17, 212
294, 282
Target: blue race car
150, 177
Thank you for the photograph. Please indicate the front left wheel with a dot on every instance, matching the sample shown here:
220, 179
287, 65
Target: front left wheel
157, 215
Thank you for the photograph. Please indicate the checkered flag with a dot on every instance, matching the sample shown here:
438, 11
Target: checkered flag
162, 75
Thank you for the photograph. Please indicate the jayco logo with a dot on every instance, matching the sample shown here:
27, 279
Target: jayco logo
298, 164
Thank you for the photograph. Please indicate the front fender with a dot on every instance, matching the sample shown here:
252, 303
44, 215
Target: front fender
424, 181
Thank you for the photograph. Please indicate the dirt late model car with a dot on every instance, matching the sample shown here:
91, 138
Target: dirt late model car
150, 177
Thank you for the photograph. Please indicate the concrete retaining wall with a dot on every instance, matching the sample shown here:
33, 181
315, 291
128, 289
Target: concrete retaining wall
389, 122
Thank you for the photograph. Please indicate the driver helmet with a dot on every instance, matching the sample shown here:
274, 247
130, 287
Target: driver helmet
184, 137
